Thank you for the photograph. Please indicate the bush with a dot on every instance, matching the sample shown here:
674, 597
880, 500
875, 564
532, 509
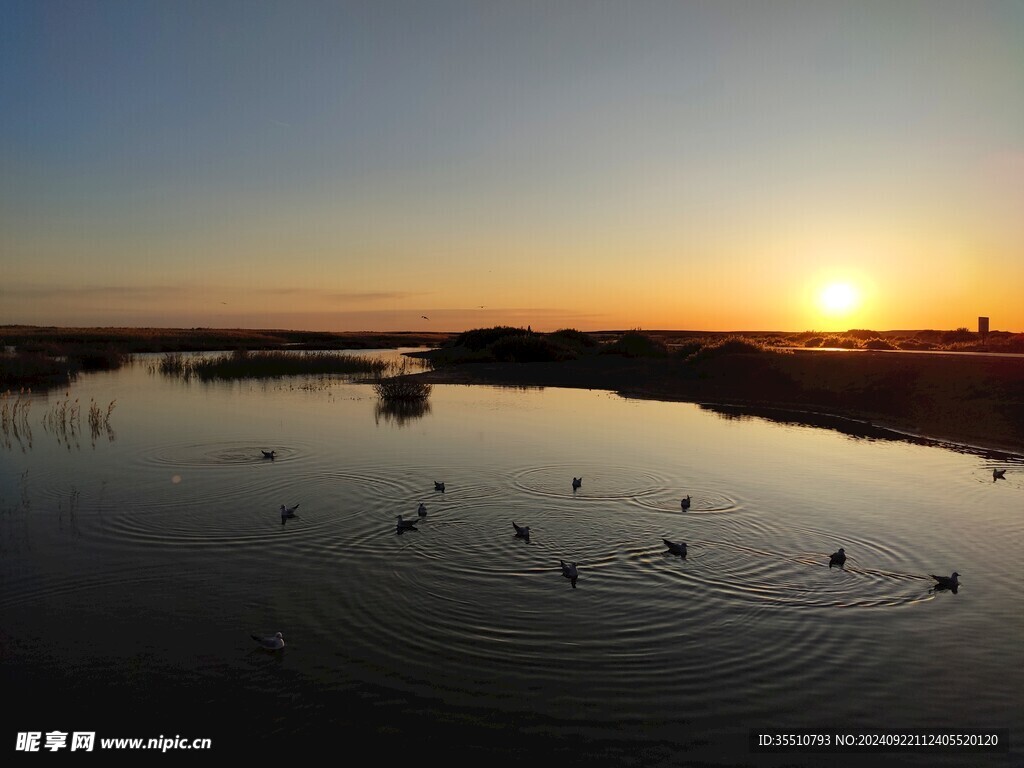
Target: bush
479, 338
401, 388
635, 344
959, 336
841, 342
529, 349
731, 345
878, 344
573, 339
814, 341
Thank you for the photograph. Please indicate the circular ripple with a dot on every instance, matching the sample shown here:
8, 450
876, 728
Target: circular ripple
703, 501
600, 482
196, 455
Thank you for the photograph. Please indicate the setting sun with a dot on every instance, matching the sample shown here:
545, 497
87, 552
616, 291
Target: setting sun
839, 298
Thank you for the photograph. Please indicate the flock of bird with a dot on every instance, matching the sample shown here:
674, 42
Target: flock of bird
570, 570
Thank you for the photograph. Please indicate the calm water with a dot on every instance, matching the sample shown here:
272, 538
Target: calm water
137, 562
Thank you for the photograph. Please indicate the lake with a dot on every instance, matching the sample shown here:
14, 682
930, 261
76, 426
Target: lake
137, 561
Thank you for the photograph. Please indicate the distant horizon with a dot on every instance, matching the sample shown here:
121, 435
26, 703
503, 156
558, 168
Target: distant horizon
538, 329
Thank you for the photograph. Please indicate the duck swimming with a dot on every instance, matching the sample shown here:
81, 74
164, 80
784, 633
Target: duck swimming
522, 531
274, 643
838, 558
676, 548
570, 572
946, 582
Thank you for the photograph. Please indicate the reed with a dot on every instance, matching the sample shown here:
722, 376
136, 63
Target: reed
242, 364
401, 388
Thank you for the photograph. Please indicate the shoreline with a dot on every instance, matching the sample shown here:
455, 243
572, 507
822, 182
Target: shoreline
936, 414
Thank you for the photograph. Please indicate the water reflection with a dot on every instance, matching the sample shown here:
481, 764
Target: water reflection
400, 412
173, 531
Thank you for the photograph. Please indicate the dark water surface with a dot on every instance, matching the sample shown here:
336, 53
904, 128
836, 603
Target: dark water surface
137, 562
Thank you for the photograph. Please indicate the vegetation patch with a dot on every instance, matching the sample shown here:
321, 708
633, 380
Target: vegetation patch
636, 344
269, 364
399, 389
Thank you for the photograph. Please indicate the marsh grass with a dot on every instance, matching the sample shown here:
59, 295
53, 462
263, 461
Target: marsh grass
396, 389
14, 415
271, 364
34, 369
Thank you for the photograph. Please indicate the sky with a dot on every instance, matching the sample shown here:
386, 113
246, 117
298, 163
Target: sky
717, 165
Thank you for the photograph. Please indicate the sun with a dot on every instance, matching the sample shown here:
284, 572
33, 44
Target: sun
839, 298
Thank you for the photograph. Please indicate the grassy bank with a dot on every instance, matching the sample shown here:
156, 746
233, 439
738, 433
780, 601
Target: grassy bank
961, 398
48, 357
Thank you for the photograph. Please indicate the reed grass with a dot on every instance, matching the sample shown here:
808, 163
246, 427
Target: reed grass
401, 388
270, 364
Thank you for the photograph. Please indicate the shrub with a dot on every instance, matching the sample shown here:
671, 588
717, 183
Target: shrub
958, 336
479, 338
401, 388
529, 349
573, 339
841, 342
814, 341
731, 345
878, 344
635, 344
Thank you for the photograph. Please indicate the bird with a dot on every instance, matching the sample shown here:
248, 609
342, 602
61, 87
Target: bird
405, 525
838, 558
577, 482
268, 454
274, 643
288, 511
422, 511
424, 317
685, 503
946, 582
522, 532
998, 474
676, 548
570, 572
438, 486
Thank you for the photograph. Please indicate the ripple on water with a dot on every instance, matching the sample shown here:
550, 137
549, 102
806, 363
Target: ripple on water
198, 455
703, 501
600, 481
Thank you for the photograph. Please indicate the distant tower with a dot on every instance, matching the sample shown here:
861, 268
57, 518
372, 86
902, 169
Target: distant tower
983, 326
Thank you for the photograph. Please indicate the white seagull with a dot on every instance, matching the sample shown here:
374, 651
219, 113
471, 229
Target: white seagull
274, 643
676, 548
288, 511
